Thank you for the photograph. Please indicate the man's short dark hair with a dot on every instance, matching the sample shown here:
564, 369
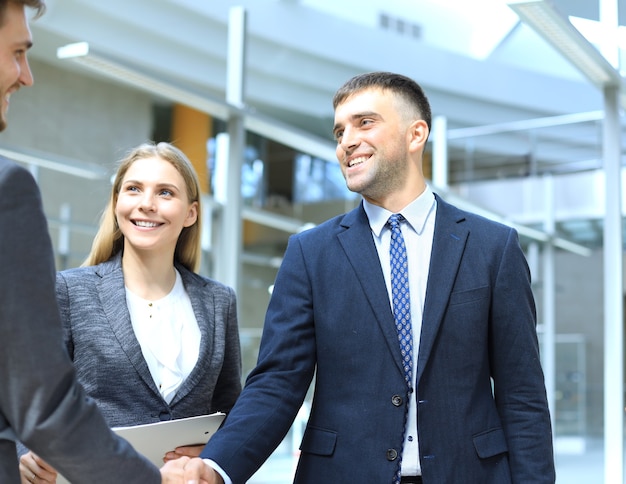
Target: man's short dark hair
405, 87
38, 5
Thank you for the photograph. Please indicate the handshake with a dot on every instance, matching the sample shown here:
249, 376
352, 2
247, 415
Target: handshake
182, 466
185, 470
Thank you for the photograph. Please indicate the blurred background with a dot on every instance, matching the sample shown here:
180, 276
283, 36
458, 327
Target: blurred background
527, 100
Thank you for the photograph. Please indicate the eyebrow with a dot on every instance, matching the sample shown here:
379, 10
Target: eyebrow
364, 114
26, 44
159, 185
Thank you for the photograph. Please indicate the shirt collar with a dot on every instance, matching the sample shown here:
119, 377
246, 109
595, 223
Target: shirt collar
416, 213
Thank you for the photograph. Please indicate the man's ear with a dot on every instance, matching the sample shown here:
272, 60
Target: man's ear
418, 135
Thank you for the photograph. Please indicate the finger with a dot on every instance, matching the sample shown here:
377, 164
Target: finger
43, 471
189, 450
23, 478
27, 467
27, 476
172, 472
46, 476
34, 469
169, 456
44, 465
197, 471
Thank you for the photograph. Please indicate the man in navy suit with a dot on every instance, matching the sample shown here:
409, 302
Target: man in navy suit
41, 403
473, 408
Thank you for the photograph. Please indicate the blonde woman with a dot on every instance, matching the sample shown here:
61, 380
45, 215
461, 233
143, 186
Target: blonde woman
151, 339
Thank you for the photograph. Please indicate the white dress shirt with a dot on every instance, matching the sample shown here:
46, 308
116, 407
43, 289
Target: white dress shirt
418, 233
169, 336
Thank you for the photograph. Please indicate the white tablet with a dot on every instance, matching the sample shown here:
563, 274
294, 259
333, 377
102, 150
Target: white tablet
154, 440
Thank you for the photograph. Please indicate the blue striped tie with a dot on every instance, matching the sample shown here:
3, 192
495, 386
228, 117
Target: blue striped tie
401, 306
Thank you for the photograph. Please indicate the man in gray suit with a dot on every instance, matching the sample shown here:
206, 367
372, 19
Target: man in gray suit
41, 403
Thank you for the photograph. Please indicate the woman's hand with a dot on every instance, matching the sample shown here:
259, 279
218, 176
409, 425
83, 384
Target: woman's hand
190, 451
34, 469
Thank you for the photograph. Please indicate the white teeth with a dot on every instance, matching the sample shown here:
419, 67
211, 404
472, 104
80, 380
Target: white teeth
357, 161
141, 223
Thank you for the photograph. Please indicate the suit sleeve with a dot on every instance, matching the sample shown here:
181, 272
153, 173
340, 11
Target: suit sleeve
39, 396
519, 388
276, 387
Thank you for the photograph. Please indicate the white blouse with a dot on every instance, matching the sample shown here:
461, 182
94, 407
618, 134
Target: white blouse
169, 336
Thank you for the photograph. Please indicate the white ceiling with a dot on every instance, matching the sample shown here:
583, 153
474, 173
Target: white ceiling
478, 65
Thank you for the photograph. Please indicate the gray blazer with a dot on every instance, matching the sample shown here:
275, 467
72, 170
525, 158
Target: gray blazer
41, 403
108, 359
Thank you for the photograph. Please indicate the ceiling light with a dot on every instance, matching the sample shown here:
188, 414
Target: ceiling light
559, 32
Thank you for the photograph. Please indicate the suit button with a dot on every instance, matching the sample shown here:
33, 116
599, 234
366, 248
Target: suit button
392, 454
165, 416
396, 400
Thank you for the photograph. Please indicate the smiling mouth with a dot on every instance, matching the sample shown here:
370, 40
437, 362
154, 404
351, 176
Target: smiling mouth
143, 223
357, 161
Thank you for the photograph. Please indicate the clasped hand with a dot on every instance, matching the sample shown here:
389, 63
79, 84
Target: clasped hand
182, 466
185, 470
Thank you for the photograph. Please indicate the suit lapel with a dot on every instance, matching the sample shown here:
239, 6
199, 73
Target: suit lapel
448, 245
361, 252
204, 309
113, 299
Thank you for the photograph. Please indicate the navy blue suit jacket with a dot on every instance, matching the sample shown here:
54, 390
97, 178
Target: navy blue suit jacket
329, 318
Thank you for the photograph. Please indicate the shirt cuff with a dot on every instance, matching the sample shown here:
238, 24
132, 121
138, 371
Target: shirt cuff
219, 470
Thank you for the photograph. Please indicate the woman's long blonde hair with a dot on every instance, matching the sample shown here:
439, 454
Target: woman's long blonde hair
109, 240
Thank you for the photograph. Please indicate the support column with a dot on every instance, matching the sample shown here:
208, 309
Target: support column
613, 293
230, 243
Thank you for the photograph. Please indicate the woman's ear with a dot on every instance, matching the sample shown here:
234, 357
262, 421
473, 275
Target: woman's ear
192, 215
